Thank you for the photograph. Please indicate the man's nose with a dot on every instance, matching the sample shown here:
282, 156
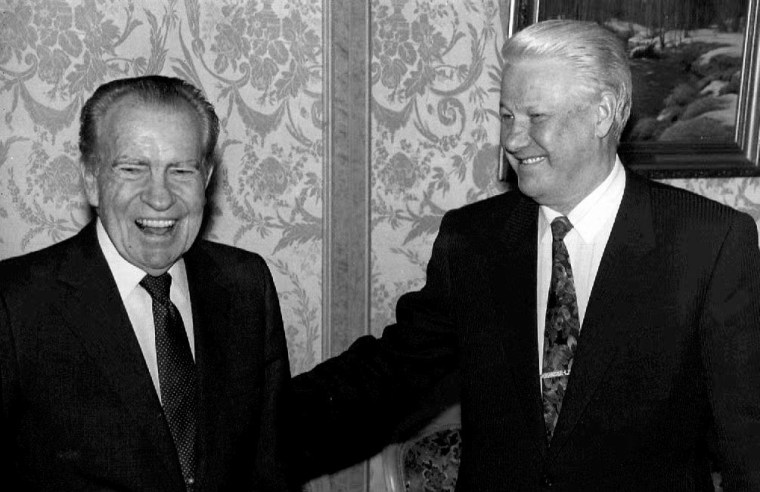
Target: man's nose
157, 194
514, 136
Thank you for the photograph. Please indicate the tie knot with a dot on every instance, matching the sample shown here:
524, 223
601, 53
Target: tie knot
560, 227
157, 287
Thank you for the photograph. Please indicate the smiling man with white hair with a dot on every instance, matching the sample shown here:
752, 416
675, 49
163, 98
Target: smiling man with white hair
605, 328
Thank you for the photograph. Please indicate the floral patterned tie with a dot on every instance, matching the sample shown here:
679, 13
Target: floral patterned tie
562, 327
176, 372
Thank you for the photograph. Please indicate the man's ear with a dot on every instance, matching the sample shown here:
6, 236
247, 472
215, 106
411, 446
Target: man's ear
605, 114
90, 181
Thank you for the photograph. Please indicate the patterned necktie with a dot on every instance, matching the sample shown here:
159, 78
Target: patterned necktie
176, 372
562, 327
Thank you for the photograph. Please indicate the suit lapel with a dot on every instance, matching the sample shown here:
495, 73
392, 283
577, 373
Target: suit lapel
513, 281
95, 313
621, 276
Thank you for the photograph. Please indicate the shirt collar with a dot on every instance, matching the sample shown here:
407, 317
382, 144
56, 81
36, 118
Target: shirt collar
593, 212
128, 276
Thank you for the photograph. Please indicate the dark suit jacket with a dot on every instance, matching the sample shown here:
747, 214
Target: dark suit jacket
668, 359
79, 410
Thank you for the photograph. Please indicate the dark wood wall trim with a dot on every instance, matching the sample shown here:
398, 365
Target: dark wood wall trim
346, 262
347, 169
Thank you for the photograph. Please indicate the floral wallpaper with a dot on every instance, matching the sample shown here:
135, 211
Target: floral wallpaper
435, 130
259, 62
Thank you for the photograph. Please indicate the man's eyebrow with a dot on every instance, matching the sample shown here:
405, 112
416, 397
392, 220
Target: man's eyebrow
192, 162
134, 160
127, 160
504, 106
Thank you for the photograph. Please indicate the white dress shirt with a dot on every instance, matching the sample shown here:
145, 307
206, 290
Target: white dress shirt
592, 221
139, 304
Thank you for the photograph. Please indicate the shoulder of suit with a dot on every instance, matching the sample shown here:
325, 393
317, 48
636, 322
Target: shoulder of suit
236, 266
224, 254
680, 215
214, 247
488, 212
37, 265
688, 204
496, 204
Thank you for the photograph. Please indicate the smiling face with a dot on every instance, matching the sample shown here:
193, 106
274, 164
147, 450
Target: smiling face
149, 185
556, 135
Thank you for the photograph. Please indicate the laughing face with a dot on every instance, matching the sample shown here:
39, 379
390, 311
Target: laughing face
556, 135
149, 186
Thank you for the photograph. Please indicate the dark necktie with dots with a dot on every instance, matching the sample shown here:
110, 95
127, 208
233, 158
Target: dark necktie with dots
562, 329
176, 372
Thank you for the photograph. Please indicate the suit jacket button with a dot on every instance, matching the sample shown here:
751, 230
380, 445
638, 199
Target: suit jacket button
548, 481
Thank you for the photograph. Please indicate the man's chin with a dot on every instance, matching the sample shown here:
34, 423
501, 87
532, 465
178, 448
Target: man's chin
156, 264
529, 187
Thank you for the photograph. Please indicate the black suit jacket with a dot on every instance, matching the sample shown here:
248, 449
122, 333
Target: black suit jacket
79, 409
667, 364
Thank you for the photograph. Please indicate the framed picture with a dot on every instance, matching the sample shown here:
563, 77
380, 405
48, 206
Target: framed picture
696, 78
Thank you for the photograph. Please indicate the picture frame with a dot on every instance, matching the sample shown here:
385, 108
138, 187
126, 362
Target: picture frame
687, 159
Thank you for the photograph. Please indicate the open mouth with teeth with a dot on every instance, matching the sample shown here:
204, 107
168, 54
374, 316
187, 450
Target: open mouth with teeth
155, 226
531, 160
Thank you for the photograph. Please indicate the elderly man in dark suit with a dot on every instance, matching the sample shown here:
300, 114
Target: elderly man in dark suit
605, 328
134, 356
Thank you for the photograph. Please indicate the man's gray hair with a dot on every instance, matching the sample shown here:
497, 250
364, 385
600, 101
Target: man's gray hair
597, 55
152, 90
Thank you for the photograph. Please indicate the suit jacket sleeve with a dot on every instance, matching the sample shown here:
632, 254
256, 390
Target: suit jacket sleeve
271, 455
8, 390
347, 407
730, 335
243, 363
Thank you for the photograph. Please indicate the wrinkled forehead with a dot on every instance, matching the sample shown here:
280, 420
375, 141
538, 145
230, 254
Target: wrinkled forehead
133, 103
141, 130
132, 113
541, 80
